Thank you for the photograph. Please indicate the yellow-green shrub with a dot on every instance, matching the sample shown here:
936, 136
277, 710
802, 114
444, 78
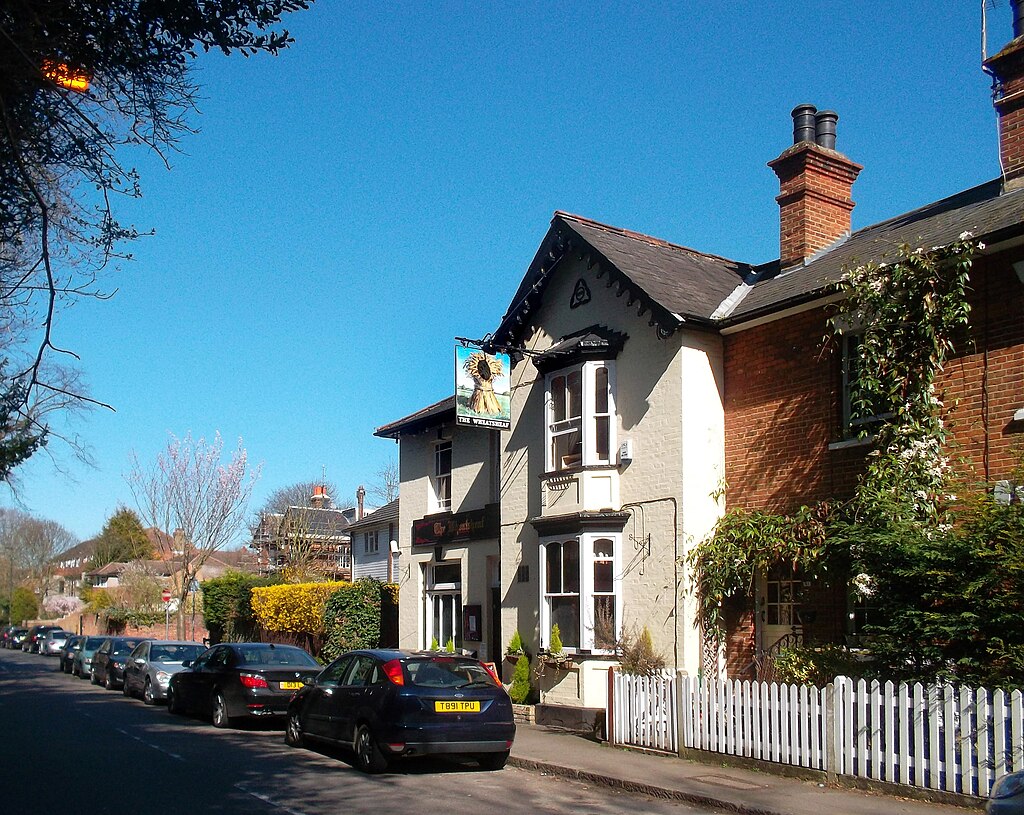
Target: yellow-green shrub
293, 607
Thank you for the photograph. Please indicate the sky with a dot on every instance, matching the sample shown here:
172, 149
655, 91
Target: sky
349, 207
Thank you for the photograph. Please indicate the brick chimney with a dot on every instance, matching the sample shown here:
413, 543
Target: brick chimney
815, 182
360, 495
1007, 69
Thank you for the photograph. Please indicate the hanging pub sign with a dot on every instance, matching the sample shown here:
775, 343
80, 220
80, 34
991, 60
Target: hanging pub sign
482, 393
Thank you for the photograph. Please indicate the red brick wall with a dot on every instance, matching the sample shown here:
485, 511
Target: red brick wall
782, 409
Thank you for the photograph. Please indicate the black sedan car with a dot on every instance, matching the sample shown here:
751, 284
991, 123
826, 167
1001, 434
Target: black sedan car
67, 653
108, 661
388, 704
237, 680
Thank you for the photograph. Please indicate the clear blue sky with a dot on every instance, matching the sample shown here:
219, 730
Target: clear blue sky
352, 205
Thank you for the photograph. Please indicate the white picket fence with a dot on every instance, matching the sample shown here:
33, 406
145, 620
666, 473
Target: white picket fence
938, 737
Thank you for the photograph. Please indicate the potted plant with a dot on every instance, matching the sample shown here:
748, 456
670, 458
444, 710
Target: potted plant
555, 654
515, 647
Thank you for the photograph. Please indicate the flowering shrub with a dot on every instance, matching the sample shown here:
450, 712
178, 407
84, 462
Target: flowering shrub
293, 607
61, 606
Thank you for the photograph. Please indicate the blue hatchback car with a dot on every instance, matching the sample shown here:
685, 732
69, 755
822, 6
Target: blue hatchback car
1007, 796
385, 704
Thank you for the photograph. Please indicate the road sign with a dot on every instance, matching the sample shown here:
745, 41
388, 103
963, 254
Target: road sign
166, 595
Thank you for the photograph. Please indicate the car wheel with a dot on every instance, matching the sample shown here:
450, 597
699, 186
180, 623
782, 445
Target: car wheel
293, 730
147, 693
173, 705
109, 682
92, 677
492, 761
125, 691
219, 715
369, 757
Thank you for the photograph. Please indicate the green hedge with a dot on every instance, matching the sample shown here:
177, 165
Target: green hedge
227, 605
353, 614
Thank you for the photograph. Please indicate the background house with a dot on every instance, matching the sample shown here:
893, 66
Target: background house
373, 554
309, 540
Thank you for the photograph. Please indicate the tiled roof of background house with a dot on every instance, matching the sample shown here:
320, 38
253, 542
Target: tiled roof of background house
386, 514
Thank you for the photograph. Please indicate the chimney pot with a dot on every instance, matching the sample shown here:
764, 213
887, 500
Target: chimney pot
803, 123
815, 183
825, 128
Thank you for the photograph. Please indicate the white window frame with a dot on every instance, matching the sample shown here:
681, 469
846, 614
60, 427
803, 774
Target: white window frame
441, 593
587, 560
441, 481
588, 420
371, 543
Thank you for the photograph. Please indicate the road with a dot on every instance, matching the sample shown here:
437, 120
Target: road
68, 746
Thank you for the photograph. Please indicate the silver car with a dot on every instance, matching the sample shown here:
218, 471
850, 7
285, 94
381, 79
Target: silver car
54, 641
150, 666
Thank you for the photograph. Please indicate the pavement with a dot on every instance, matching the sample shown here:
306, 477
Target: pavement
568, 753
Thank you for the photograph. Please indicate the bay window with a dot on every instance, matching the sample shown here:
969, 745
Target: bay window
580, 407
581, 591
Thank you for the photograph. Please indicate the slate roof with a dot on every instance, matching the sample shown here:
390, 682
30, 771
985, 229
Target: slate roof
981, 210
686, 282
316, 523
430, 416
385, 515
679, 285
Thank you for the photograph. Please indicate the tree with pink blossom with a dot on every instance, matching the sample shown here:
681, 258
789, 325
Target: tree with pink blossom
190, 490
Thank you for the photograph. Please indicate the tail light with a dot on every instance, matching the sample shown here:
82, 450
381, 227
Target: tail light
253, 681
393, 671
491, 669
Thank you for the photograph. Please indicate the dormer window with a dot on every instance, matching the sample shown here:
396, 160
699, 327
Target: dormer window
580, 406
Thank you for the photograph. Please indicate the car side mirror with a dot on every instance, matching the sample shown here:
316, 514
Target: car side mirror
186, 663
140, 661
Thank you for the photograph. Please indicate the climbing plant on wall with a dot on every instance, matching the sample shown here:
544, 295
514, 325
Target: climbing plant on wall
909, 313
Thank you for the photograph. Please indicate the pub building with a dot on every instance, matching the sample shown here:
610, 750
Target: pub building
448, 532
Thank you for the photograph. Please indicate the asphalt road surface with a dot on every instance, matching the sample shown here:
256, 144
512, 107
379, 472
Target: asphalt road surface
72, 747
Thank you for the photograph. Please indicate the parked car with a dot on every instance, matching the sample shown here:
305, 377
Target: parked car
82, 665
1007, 796
51, 643
8, 635
387, 704
35, 635
16, 638
67, 653
151, 665
240, 680
109, 660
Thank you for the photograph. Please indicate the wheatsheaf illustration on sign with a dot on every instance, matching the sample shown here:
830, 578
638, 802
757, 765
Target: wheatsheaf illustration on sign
482, 394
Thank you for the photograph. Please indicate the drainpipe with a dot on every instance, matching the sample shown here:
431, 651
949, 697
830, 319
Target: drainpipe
675, 568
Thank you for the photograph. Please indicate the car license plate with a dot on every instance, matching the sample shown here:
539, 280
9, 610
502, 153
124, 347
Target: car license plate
291, 685
456, 707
